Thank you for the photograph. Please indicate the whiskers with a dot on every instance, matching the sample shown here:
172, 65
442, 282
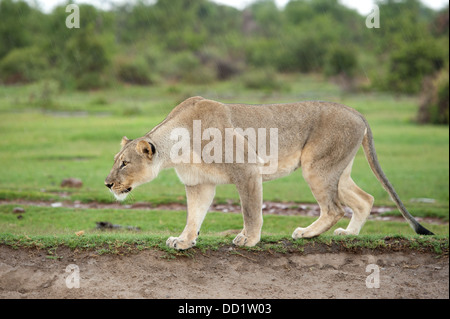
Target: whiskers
129, 199
126, 198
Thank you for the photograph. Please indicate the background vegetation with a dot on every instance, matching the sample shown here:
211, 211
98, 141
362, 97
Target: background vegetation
198, 41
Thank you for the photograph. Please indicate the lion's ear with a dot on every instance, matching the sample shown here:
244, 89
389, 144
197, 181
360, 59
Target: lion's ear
145, 148
124, 141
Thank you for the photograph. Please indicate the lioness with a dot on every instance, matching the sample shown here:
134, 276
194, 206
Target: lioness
321, 137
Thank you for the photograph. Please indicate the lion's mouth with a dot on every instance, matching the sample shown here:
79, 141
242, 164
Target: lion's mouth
122, 194
127, 190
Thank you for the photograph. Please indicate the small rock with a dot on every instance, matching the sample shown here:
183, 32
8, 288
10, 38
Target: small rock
57, 204
18, 210
72, 183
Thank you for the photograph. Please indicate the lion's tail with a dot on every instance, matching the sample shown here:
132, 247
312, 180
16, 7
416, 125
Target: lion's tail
371, 156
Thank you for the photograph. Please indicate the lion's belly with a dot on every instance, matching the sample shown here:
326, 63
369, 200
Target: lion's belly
285, 166
196, 174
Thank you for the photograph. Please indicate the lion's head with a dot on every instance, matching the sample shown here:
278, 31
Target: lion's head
133, 165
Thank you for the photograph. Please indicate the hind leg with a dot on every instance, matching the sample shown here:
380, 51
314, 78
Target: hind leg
354, 197
325, 189
324, 159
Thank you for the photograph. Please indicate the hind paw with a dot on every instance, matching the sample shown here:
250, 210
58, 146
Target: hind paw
342, 231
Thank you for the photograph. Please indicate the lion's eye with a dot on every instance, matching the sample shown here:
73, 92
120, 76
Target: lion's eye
124, 163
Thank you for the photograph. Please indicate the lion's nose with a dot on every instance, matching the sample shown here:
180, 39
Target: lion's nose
109, 185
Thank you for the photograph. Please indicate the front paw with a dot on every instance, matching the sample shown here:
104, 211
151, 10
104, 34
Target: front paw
180, 244
300, 232
242, 240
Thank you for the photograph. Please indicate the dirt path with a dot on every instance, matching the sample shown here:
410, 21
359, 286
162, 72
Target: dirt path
227, 273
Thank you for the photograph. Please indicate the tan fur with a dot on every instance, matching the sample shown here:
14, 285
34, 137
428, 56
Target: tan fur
321, 137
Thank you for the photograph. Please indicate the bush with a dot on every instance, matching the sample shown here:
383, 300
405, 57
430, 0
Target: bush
178, 65
133, 71
341, 61
261, 53
43, 95
304, 54
219, 63
185, 66
409, 65
22, 65
227, 69
434, 107
261, 79
15, 20
85, 59
90, 81
204, 74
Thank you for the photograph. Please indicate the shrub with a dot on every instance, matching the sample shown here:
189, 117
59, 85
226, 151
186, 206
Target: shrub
185, 66
261, 79
261, 53
409, 65
15, 19
434, 107
85, 59
204, 74
305, 54
341, 60
227, 69
134, 71
90, 81
22, 65
219, 63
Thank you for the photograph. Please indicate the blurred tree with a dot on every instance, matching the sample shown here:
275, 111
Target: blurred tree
440, 24
312, 29
411, 63
202, 41
267, 17
434, 106
341, 60
402, 22
21, 29
133, 70
13, 25
22, 65
79, 55
85, 58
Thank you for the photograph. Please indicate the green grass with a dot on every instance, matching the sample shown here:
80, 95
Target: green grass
120, 244
76, 134
67, 221
40, 148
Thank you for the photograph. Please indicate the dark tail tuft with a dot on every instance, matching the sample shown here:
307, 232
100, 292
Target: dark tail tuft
422, 230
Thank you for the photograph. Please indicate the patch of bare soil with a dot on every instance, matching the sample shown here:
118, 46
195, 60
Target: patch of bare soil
227, 273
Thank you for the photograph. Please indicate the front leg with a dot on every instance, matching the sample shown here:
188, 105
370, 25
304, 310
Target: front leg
250, 192
199, 198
